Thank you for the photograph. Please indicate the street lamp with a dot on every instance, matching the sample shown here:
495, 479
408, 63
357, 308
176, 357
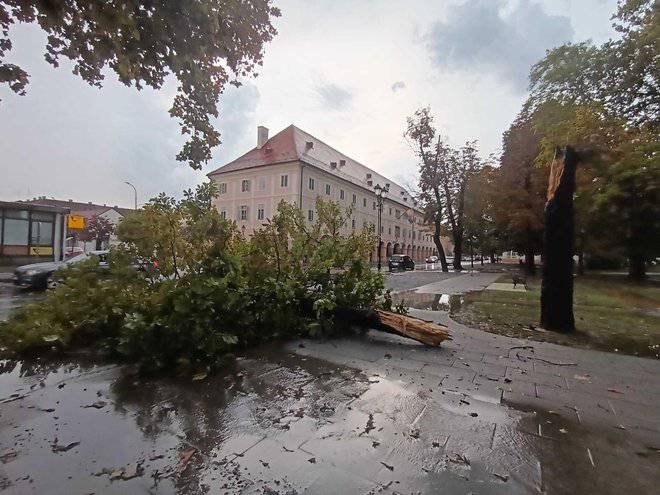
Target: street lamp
134, 191
380, 192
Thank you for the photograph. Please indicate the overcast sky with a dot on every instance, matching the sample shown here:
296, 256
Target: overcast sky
346, 71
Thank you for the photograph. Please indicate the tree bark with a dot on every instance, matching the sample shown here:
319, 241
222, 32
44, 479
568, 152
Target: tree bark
530, 264
558, 243
458, 252
637, 269
428, 333
438, 246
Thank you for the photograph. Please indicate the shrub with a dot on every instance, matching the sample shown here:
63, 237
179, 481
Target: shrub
207, 290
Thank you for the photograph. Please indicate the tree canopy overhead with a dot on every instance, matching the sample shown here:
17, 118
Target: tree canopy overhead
623, 74
205, 44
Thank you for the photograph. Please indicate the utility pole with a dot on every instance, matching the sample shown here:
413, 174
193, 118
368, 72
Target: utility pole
380, 192
134, 192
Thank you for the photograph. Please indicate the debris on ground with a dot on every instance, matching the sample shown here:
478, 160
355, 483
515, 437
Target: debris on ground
391, 468
7, 455
63, 448
184, 459
99, 404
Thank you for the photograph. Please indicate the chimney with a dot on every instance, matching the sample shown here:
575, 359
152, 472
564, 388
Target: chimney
262, 136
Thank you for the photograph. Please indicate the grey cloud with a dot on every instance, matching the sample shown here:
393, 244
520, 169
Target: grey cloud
398, 86
334, 96
478, 36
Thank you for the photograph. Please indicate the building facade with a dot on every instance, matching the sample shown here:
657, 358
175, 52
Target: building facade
80, 215
31, 233
298, 168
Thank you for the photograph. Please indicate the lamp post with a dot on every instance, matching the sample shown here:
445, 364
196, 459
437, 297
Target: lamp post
380, 192
134, 192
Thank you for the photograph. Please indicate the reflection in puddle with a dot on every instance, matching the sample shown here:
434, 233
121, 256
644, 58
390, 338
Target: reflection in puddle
432, 302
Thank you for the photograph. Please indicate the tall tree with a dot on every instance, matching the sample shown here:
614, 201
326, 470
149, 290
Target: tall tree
479, 208
618, 180
622, 74
430, 149
456, 171
204, 44
518, 204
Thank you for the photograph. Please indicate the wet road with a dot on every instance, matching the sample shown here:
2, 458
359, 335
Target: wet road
364, 414
12, 297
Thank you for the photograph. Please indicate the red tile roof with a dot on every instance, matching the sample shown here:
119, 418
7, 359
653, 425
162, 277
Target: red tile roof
290, 145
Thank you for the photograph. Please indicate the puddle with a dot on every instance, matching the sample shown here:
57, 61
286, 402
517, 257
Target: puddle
430, 302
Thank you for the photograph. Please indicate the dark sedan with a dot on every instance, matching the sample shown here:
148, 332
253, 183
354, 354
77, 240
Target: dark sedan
42, 275
401, 262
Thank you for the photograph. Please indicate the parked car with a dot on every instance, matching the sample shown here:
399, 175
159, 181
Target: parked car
401, 262
42, 275
432, 259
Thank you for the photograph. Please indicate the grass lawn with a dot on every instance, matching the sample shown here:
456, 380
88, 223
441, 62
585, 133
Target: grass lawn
611, 314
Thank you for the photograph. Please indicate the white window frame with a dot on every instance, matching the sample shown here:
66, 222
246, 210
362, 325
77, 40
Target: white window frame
310, 183
284, 180
310, 215
222, 188
244, 214
261, 212
328, 189
245, 185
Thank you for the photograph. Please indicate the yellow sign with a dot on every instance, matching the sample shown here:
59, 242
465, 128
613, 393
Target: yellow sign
41, 251
76, 222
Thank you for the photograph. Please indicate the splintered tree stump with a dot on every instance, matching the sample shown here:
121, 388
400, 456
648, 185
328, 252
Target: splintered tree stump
427, 333
558, 239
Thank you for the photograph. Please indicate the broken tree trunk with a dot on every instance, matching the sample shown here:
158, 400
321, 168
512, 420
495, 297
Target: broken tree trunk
422, 331
558, 240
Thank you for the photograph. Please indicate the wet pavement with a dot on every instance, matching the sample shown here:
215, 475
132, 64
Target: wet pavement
368, 413
12, 297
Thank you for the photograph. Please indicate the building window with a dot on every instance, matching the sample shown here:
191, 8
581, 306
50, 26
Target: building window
389, 230
223, 213
16, 227
397, 231
382, 229
42, 229
243, 212
353, 224
261, 183
311, 184
260, 212
354, 199
397, 214
245, 185
327, 189
374, 206
222, 188
364, 202
390, 211
310, 215
341, 194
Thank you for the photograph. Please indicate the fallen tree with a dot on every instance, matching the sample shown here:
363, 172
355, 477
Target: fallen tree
426, 332
209, 291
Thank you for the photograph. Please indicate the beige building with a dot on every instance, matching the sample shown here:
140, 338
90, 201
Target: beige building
297, 167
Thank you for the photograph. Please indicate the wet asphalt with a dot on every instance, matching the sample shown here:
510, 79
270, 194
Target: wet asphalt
367, 413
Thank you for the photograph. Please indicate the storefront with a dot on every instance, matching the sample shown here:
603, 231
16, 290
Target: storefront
31, 233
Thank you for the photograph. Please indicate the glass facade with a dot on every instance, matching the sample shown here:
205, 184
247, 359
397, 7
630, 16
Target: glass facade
27, 232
